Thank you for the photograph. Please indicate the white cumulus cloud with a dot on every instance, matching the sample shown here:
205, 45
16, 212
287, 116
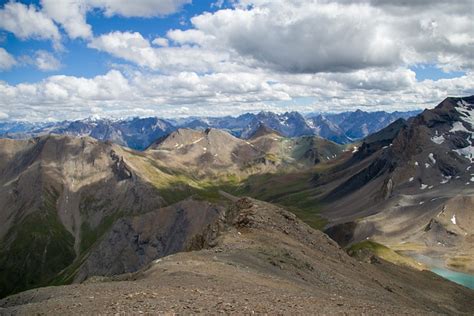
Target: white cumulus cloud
135, 48
45, 61
71, 14
7, 61
142, 8
187, 93
327, 36
161, 41
27, 22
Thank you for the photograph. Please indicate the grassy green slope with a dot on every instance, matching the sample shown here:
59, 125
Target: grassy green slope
383, 252
36, 249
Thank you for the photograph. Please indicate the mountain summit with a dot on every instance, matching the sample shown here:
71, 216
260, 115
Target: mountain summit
263, 130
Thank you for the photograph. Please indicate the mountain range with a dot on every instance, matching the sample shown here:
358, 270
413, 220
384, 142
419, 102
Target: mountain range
208, 219
139, 133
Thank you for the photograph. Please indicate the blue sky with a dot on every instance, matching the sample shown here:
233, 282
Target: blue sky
77, 59
432, 72
172, 58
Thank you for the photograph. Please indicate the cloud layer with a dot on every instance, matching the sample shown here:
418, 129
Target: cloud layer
188, 93
258, 54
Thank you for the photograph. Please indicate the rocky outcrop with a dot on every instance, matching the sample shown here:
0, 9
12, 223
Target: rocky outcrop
133, 242
120, 168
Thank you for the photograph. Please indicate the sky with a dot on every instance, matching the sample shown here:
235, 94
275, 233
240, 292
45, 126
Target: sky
72, 59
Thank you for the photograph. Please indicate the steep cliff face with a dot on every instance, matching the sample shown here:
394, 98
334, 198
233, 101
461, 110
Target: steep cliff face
410, 185
133, 242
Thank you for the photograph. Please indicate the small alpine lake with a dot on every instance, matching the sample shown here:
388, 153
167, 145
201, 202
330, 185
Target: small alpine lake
464, 279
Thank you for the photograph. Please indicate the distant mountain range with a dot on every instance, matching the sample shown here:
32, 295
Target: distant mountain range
139, 133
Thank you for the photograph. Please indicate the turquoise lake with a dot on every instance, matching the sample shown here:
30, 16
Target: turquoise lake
464, 279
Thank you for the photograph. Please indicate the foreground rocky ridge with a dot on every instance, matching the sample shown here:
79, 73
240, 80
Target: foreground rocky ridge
264, 260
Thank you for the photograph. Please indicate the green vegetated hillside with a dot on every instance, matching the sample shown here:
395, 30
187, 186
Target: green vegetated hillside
35, 249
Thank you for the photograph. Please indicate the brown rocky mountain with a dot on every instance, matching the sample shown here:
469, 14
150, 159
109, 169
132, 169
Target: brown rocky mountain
60, 196
263, 130
410, 187
215, 151
57, 195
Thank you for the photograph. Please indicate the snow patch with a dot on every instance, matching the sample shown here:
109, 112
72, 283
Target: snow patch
198, 140
355, 149
453, 219
458, 127
416, 163
251, 145
467, 112
438, 139
427, 165
411, 179
445, 179
423, 186
467, 152
431, 157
